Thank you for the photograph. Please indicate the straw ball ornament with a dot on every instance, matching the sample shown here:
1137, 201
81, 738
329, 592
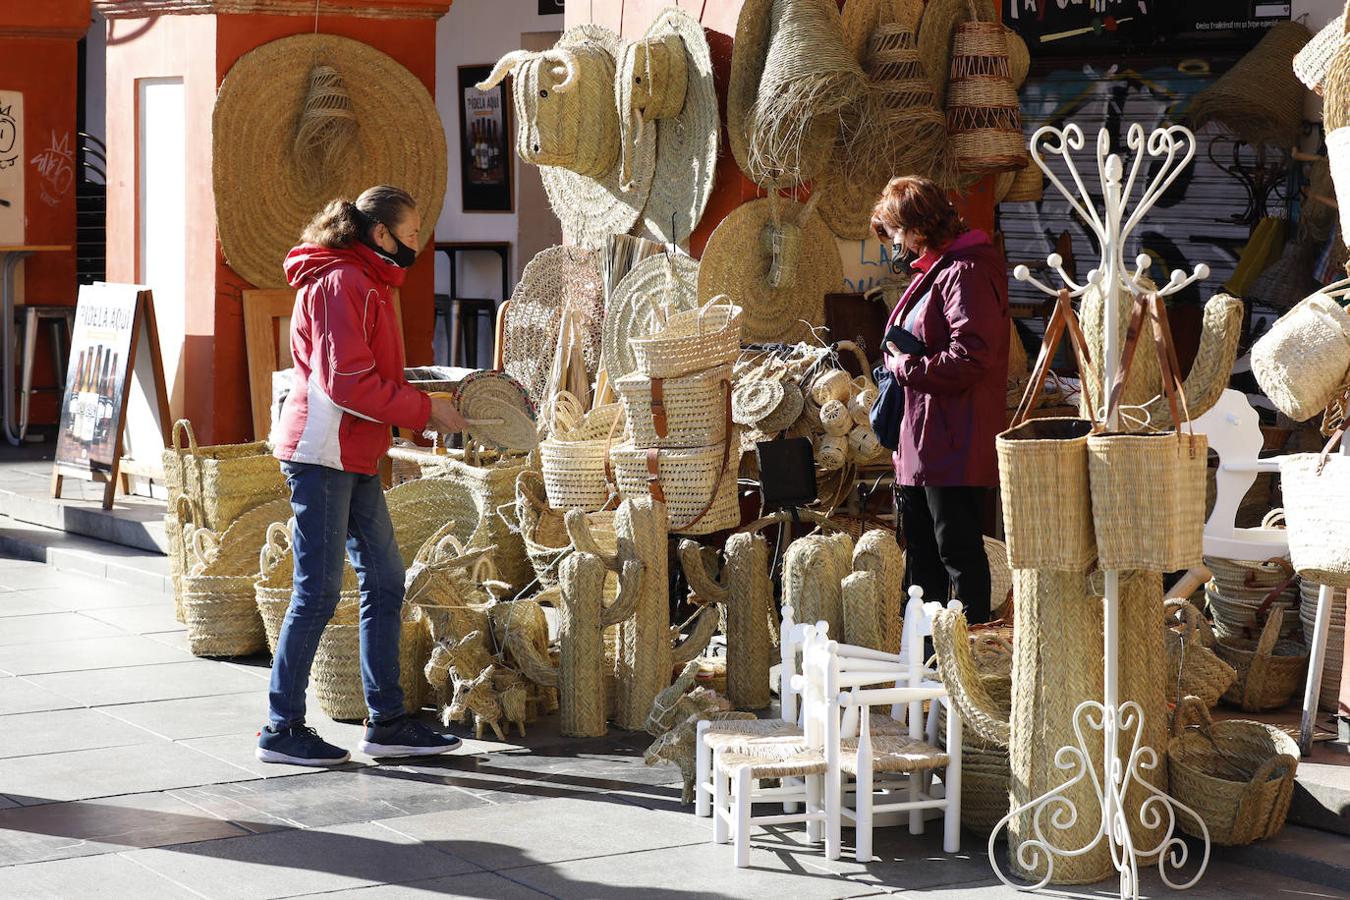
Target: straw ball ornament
755, 400
591, 208
557, 279
863, 443
835, 418
497, 410
832, 452
1259, 99
269, 115
686, 135
860, 407
737, 264
665, 282
831, 384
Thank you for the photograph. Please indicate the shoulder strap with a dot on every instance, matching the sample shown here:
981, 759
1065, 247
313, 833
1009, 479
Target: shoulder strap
1062, 319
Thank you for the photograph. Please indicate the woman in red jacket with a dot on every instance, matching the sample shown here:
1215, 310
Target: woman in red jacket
334, 428
954, 379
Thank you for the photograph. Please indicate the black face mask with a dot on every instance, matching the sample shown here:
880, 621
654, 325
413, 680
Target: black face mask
403, 257
901, 258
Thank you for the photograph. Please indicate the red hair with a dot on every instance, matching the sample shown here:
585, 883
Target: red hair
917, 205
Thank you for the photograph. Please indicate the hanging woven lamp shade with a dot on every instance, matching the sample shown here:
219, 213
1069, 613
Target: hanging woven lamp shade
984, 118
1260, 99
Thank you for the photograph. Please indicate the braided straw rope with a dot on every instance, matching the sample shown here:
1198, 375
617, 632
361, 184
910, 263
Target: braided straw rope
748, 613
1237, 775
644, 662
1205, 383
814, 569
1260, 99
878, 553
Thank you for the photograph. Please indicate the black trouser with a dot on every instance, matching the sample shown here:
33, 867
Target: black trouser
945, 545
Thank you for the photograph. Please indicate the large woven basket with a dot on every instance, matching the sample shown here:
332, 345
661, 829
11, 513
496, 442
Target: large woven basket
219, 606
1241, 589
544, 530
337, 667
698, 486
1303, 362
181, 515
1316, 499
223, 480
1193, 668
417, 509
574, 460
984, 117
677, 412
1269, 670
1047, 506
691, 341
1237, 775
276, 580
480, 487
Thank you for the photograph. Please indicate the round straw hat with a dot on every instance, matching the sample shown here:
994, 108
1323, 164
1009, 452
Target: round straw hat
655, 282
498, 411
263, 200
686, 144
591, 209
737, 260
557, 279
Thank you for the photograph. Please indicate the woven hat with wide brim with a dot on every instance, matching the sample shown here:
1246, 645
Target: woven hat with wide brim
686, 143
558, 281
737, 263
263, 201
591, 209
664, 281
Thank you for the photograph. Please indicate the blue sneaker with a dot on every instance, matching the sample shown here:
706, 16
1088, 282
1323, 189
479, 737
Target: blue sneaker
298, 745
405, 736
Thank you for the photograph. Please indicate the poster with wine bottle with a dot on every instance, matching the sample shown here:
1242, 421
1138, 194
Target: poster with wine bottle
114, 343
485, 153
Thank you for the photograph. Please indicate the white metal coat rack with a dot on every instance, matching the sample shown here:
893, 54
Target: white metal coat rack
1170, 150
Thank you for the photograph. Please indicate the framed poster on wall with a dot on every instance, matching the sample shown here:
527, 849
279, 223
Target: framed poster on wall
485, 143
11, 167
551, 7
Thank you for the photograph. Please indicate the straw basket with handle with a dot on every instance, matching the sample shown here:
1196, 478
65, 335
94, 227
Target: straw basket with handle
691, 341
182, 516
1317, 495
1303, 362
1237, 775
984, 116
276, 581
1193, 668
1269, 670
689, 411
1043, 469
574, 458
1148, 490
697, 486
222, 480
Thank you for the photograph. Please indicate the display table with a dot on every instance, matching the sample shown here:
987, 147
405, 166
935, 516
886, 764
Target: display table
12, 255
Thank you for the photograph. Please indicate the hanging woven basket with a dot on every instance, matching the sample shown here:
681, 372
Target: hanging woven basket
984, 117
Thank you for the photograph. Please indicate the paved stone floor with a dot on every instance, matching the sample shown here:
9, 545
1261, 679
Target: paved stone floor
127, 770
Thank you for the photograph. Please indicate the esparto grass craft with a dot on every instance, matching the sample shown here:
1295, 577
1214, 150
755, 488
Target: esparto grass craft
1260, 99
1303, 362
1316, 496
276, 580
690, 411
223, 480
1193, 668
1237, 775
1312, 62
658, 285
574, 459
698, 485
984, 117
1269, 670
691, 341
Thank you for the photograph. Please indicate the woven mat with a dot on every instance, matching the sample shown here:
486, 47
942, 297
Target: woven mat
556, 279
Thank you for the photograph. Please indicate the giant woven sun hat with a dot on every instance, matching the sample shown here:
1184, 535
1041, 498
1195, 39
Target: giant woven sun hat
665, 283
558, 280
592, 208
262, 195
685, 134
1260, 100
739, 262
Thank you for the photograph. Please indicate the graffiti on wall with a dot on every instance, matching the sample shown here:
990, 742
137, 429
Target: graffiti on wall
11, 167
56, 167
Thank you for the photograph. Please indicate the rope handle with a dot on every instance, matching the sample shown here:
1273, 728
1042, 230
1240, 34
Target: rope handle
184, 426
1249, 580
205, 546
1253, 806
1184, 611
1191, 711
276, 545
1274, 518
861, 357
703, 311
1260, 665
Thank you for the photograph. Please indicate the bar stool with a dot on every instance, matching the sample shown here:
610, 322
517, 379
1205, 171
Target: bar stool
460, 317
56, 316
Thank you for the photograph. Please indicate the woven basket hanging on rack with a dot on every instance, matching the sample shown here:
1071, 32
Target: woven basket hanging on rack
984, 117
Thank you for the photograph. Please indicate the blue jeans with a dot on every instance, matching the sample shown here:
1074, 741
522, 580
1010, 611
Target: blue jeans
337, 511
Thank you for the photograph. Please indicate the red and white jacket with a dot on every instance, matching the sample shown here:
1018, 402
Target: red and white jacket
348, 352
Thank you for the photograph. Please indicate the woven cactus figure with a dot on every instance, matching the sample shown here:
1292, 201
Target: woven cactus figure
644, 661
877, 552
581, 634
864, 610
814, 569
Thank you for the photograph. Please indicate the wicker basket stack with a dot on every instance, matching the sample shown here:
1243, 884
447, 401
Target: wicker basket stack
681, 447
1240, 588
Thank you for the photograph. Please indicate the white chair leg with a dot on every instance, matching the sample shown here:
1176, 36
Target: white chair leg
740, 798
951, 839
833, 817
915, 815
813, 804
789, 806
721, 807
702, 766
862, 805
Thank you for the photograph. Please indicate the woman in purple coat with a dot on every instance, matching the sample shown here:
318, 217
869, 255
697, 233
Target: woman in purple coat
954, 379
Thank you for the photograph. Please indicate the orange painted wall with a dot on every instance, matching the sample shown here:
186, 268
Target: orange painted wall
718, 17
38, 56
201, 49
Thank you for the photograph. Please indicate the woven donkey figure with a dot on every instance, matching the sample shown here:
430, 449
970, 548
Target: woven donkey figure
565, 110
679, 744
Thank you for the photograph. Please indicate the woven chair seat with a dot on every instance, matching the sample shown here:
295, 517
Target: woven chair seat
893, 753
790, 760
745, 736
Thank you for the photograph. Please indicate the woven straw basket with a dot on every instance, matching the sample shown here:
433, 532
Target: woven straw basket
1193, 668
984, 116
219, 608
691, 341
276, 580
1242, 589
544, 531
677, 412
1269, 670
181, 516
417, 508
337, 667
1316, 496
574, 459
222, 480
1237, 775
698, 486
1303, 361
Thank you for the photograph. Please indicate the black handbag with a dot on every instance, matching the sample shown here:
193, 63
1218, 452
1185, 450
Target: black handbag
787, 473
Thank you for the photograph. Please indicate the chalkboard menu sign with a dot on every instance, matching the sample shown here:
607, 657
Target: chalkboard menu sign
1094, 26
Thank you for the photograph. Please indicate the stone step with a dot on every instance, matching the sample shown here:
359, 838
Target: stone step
134, 522
1307, 854
87, 556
